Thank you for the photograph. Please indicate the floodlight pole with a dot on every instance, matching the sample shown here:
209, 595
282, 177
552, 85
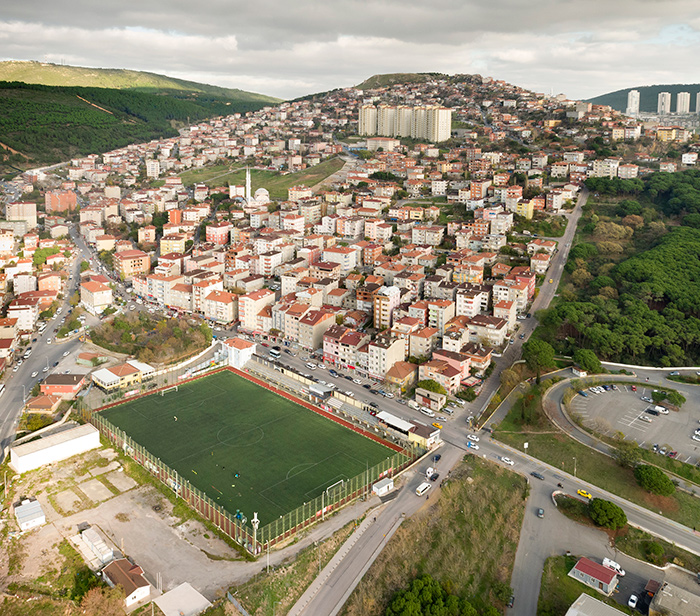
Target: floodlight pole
255, 522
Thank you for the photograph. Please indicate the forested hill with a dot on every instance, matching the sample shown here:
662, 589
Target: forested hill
631, 291
648, 97
48, 74
46, 124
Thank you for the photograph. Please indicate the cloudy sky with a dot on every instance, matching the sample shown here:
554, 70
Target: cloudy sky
289, 48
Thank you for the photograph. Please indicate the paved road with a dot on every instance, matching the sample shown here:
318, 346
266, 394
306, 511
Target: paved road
19, 384
338, 586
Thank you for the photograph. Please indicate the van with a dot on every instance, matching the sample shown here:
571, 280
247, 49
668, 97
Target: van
413, 404
611, 564
426, 411
422, 488
661, 409
27, 353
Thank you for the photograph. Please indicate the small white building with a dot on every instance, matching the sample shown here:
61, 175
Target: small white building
238, 351
30, 514
54, 448
383, 486
97, 545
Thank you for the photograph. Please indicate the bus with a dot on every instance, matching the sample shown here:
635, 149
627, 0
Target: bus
275, 354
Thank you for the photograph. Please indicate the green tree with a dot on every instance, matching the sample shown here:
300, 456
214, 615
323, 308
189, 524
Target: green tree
431, 385
538, 355
627, 453
588, 361
606, 514
84, 265
654, 480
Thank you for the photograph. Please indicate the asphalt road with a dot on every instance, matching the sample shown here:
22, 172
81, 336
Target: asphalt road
19, 384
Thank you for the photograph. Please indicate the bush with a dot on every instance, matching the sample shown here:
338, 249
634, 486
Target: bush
654, 480
606, 514
431, 385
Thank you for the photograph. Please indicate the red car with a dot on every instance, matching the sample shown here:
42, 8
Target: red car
265, 344
634, 388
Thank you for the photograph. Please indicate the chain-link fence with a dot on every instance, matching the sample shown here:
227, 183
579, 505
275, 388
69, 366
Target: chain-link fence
234, 525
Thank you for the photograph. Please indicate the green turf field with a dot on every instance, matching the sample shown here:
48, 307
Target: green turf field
223, 425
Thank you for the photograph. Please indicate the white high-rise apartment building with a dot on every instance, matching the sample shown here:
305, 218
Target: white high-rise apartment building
419, 123
368, 120
404, 119
439, 124
683, 102
632, 102
386, 121
663, 106
428, 123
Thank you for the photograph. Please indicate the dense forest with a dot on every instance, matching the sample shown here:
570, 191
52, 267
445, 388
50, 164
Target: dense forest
632, 289
50, 124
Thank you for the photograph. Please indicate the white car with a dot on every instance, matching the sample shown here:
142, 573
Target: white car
15, 368
45, 369
48, 341
66, 353
473, 438
357, 381
507, 461
34, 374
388, 394
311, 366
632, 601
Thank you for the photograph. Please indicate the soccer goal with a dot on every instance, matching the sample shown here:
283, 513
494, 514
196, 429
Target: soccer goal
167, 389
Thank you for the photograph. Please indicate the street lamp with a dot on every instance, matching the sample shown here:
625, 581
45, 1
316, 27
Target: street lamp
24, 394
574, 466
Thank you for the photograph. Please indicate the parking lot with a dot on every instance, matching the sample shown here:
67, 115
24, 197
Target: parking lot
623, 410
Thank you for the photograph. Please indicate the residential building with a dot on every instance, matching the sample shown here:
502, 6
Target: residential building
130, 263
250, 306
220, 306
384, 351
129, 577
442, 373
602, 579
386, 300
95, 296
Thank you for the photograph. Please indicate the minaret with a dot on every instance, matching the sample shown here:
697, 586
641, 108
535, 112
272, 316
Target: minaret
247, 185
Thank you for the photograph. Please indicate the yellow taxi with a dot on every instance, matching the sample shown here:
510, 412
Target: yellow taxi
584, 494
437, 425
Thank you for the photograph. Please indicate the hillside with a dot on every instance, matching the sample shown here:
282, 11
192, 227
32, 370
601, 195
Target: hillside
46, 124
648, 96
390, 79
121, 79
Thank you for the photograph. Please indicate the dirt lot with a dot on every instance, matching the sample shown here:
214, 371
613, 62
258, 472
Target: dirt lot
138, 520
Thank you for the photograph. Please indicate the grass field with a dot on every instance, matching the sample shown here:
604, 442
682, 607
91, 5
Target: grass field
274, 182
247, 448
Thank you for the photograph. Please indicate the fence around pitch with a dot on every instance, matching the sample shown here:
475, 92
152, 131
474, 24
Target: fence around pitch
274, 532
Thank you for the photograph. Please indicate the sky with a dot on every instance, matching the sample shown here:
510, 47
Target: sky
289, 48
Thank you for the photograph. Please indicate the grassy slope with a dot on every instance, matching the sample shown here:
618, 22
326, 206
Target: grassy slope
466, 538
275, 183
61, 75
381, 81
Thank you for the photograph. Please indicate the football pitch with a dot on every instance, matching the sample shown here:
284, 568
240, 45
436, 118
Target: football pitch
245, 447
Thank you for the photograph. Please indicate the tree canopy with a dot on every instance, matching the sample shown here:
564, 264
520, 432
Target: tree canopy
431, 385
426, 597
588, 361
654, 480
538, 354
606, 514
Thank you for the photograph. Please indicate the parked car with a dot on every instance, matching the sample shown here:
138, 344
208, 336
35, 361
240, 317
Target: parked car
633, 387
646, 399
632, 602
583, 393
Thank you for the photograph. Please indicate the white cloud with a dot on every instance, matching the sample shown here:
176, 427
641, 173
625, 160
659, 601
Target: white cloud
289, 49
